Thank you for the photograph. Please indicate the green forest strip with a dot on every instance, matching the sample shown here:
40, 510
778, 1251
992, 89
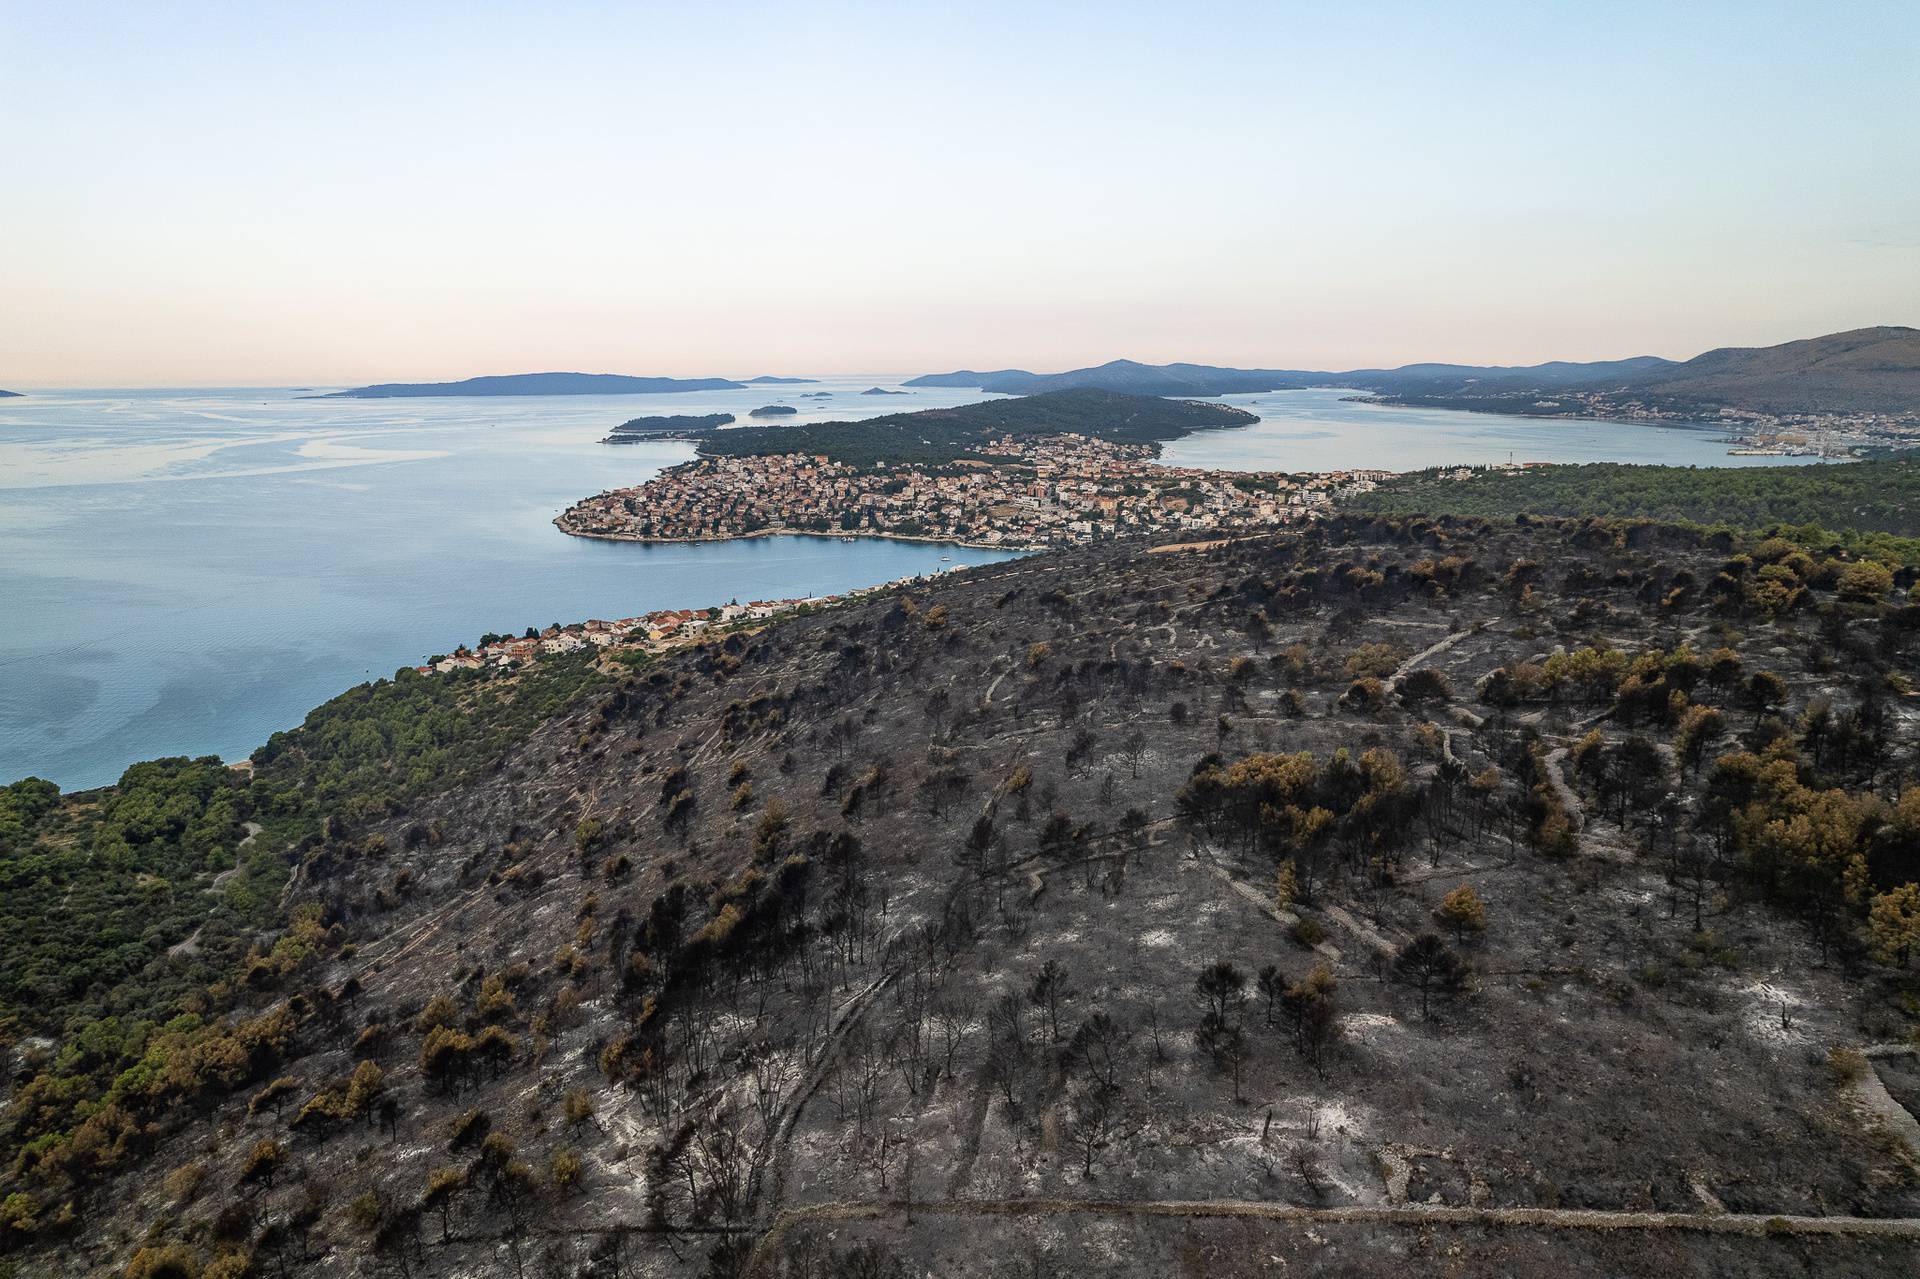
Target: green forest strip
1870, 508
131, 917
377, 745
100, 889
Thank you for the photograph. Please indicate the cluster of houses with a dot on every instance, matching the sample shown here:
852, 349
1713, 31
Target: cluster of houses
1758, 432
652, 632
1483, 468
1026, 493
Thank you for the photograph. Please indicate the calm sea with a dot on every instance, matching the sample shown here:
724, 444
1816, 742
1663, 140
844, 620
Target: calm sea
185, 572
1327, 431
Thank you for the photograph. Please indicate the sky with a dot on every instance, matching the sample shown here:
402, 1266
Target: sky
245, 194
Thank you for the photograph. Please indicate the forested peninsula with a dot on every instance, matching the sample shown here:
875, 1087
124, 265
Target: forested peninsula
938, 436
684, 426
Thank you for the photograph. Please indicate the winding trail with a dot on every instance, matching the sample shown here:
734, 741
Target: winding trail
191, 945
1264, 903
1437, 647
1569, 799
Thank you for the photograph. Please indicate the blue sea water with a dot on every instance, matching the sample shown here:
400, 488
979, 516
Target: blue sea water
188, 571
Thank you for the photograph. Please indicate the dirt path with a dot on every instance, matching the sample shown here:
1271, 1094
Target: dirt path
191, 944
1592, 841
1352, 923
1176, 547
1265, 905
781, 1138
1569, 800
766, 1252
974, 1125
1439, 646
1869, 1093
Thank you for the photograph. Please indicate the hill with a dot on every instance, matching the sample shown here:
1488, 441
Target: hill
1402, 894
936, 436
9, 395
1862, 370
1211, 380
537, 384
966, 378
1127, 376
1552, 373
1848, 499
1875, 370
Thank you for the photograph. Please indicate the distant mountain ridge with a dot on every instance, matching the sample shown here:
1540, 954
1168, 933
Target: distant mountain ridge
537, 384
9, 395
1870, 370
1128, 376
1858, 371
1136, 378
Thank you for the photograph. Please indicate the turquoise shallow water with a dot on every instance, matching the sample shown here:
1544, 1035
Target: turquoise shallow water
185, 572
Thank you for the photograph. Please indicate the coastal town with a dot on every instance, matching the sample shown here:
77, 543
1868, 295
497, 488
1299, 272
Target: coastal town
647, 633
1748, 432
1754, 433
1014, 493
1027, 493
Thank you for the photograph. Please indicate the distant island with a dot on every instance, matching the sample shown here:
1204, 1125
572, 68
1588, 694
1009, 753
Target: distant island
774, 410
9, 395
983, 381
536, 384
684, 426
881, 390
770, 380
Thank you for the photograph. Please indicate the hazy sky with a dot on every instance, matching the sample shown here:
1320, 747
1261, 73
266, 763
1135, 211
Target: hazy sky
334, 193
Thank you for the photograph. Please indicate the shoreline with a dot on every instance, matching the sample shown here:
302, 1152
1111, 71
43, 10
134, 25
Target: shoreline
647, 540
1387, 401
1615, 419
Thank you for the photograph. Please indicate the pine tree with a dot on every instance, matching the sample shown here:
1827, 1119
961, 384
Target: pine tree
1462, 912
1286, 885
